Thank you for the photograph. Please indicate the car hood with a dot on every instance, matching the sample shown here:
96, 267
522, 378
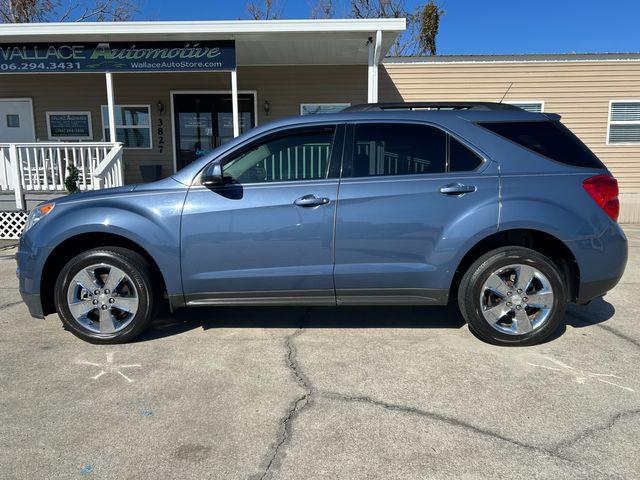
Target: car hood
93, 194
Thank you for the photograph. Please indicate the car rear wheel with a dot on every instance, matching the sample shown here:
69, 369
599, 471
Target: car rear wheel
513, 296
105, 295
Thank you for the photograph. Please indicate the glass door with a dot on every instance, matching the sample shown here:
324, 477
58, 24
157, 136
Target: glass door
204, 121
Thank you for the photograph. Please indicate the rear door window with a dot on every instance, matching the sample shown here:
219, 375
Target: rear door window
551, 139
397, 149
406, 149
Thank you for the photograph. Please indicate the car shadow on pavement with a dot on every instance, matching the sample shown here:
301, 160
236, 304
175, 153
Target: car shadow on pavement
581, 316
186, 319
309, 317
598, 311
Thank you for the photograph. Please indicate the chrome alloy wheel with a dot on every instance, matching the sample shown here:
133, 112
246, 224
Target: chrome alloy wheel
516, 299
102, 298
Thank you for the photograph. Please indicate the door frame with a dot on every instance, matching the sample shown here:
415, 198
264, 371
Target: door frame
204, 92
33, 115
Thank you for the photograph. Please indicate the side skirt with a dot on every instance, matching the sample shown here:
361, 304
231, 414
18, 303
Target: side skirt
392, 296
322, 297
279, 297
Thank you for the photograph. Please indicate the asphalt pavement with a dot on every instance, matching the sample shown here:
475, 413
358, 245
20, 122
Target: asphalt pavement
301, 393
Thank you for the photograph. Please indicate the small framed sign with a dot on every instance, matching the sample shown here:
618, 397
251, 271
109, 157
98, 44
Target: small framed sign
69, 126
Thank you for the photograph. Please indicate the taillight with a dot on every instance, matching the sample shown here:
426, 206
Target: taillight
604, 190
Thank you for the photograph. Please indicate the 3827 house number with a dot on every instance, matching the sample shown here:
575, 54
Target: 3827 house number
160, 135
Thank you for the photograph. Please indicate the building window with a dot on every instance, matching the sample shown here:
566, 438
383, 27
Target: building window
624, 122
133, 125
529, 105
13, 121
316, 108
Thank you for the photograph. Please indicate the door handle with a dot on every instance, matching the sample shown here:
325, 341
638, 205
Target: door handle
311, 201
457, 189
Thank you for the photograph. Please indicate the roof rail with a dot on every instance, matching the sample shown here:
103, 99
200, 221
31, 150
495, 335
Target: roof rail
485, 106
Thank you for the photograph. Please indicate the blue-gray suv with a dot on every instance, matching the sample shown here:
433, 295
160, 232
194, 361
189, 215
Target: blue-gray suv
503, 211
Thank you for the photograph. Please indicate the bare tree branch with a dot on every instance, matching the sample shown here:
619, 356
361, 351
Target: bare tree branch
323, 9
67, 13
26, 11
422, 23
272, 10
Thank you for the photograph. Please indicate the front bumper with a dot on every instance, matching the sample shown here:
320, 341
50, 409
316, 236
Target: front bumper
32, 300
30, 261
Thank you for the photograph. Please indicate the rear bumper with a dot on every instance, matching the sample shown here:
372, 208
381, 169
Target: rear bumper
590, 290
601, 261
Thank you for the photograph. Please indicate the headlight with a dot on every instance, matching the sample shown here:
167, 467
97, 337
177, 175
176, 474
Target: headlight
37, 214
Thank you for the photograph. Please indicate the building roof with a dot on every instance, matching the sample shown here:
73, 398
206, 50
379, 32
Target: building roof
527, 57
258, 42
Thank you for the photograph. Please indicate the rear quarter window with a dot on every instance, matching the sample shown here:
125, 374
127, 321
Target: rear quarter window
461, 159
551, 139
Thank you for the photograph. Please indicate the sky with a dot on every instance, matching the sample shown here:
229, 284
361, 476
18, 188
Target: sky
474, 26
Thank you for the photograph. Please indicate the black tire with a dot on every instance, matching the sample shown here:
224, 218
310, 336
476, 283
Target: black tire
130, 262
470, 291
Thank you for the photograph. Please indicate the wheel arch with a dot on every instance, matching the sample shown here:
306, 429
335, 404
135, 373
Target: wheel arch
542, 242
76, 244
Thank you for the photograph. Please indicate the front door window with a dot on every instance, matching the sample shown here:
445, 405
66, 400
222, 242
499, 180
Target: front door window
299, 155
205, 121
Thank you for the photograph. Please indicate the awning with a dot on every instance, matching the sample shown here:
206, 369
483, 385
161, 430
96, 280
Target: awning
258, 42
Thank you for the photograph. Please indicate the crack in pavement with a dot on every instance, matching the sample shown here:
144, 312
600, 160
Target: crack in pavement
554, 452
297, 406
425, 413
570, 442
310, 392
9, 305
607, 328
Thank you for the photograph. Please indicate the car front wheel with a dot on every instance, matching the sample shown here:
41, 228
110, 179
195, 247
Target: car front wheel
105, 295
513, 296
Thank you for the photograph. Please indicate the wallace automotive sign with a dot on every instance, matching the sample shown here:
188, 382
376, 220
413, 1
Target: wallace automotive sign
117, 56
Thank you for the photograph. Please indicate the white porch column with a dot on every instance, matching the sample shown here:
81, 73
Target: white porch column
374, 60
111, 107
17, 178
234, 103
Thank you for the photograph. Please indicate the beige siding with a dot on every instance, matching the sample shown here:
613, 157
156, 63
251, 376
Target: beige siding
284, 87
579, 91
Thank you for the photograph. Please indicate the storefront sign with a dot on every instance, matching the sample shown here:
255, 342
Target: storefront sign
69, 125
118, 57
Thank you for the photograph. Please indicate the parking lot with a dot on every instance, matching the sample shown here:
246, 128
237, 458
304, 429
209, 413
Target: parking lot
296, 393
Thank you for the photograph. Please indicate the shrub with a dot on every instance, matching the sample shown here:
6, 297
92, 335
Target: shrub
71, 182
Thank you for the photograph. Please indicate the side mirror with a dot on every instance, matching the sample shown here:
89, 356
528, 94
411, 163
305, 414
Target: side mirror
213, 175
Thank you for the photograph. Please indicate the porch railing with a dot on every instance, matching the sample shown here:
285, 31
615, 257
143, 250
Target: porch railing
304, 162
44, 166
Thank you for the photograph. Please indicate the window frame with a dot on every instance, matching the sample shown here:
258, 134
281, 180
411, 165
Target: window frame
337, 151
348, 155
126, 105
302, 105
620, 122
11, 116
